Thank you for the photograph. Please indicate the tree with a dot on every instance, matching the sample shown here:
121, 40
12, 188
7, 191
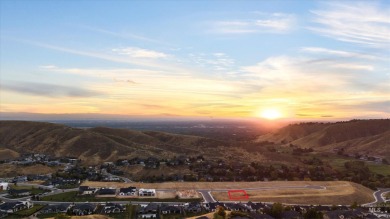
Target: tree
354, 205
313, 214
220, 213
276, 210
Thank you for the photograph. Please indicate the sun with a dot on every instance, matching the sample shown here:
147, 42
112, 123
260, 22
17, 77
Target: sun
271, 114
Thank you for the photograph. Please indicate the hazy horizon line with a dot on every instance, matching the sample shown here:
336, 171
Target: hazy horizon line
162, 117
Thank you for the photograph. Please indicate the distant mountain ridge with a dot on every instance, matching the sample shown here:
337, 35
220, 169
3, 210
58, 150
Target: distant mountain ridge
370, 137
95, 145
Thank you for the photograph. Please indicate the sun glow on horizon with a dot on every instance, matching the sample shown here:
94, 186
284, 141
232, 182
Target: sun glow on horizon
270, 114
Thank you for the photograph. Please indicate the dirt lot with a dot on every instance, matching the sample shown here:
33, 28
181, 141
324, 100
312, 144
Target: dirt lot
342, 193
336, 192
188, 194
208, 215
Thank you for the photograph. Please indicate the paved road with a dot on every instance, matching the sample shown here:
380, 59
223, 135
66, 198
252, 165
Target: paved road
379, 196
206, 196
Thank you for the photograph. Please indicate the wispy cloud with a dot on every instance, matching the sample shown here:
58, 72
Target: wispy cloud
159, 64
339, 53
216, 61
365, 23
136, 52
48, 67
48, 90
265, 23
121, 34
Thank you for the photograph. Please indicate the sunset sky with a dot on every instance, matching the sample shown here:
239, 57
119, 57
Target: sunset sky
220, 59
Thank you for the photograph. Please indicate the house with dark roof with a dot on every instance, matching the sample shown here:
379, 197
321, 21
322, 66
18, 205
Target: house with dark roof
11, 207
236, 207
58, 208
193, 207
83, 209
129, 191
107, 192
211, 206
170, 209
86, 190
148, 211
111, 208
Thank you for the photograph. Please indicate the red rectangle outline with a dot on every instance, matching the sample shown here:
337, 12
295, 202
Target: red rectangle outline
245, 195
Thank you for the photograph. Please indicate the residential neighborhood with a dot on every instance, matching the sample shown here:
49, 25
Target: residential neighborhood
71, 176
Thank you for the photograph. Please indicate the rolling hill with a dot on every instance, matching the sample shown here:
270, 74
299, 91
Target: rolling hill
95, 145
371, 137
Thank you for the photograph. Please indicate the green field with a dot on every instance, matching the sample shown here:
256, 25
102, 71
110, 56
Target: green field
73, 197
34, 191
379, 168
337, 162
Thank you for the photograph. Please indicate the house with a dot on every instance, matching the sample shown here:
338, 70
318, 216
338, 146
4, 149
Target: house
3, 186
86, 190
147, 192
148, 211
111, 208
20, 179
58, 208
106, 192
236, 207
11, 207
83, 209
212, 206
251, 206
193, 207
170, 209
130, 191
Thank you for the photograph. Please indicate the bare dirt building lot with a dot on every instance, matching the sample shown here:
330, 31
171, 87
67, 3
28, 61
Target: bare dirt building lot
294, 192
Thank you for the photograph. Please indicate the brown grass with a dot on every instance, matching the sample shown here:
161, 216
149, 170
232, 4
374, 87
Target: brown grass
209, 215
8, 154
187, 194
343, 193
10, 170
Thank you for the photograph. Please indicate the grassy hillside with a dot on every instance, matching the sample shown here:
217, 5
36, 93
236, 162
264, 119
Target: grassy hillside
95, 145
371, 137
